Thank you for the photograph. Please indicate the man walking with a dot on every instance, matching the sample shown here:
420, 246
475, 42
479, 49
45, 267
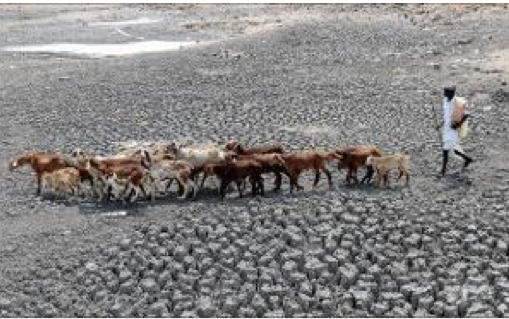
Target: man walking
454, 116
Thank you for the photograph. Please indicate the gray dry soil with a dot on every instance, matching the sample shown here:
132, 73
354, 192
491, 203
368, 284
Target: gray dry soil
310, 76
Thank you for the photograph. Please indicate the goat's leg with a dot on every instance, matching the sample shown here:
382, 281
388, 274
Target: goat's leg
262, 187
278, 181
400, 175
329, 175
369, 174
205, 176
108, 193
355, 176
193, 190
317, 177
145, 195
239, 188
131, 196
299, 187
254, 185
180, 190
349, 175
152, 189
39, 183
169, 184
293, 182
185, 185
222, 188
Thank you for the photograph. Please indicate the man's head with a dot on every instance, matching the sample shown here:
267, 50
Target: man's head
449, 92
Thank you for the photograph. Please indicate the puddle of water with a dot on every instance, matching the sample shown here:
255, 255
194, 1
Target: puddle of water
125, 22
115, 214
102, 50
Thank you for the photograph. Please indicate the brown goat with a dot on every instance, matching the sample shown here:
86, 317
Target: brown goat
237, 147
270, 163
296, 163
354, 157
41, 163
237, 171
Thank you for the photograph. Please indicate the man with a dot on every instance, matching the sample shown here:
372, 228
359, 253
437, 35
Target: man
453, 117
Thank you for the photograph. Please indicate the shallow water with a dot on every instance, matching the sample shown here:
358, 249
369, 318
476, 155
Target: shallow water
102, 50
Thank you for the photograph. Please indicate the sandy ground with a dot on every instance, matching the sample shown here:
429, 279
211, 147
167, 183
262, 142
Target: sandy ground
311, 76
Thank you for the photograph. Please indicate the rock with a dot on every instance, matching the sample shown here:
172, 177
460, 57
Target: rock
289, 267
477, 309
349, 275
275, 314
502, 310
188, 314
158, 309
127, 287
5, 304
259, 305
117, 308
92, 268
125, 244
332, 263
422, 313
292, 308
363, 299
451, 310
124, 275
465, 41
314, 267
149, 285
297, 278
247, 312
231, 305
502, 246
206, 308
435, 66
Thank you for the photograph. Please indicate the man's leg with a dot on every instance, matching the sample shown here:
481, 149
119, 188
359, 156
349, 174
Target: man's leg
445, 159
467, 159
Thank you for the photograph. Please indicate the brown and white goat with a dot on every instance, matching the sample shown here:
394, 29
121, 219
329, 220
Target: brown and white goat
111, 171
354, 157
296, 163
384, 164
41, 163
169, 170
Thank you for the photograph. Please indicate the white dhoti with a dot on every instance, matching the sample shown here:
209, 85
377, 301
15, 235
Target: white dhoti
451, 140
450, 136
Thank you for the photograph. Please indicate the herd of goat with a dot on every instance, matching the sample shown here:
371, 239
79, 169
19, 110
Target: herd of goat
147, 170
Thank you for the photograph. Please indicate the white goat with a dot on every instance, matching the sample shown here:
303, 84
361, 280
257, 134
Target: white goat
64, 181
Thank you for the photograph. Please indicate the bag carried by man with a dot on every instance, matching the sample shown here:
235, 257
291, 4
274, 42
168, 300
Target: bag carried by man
460, 118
